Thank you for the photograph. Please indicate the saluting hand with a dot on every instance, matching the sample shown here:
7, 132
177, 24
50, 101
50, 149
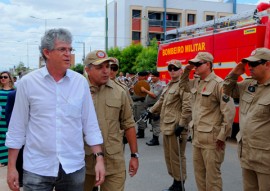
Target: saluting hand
239, 69
190, 66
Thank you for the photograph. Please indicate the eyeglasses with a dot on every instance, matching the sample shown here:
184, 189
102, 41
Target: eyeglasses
173, 68
257, 63
64, 50
197, 64
114, 68
3, 77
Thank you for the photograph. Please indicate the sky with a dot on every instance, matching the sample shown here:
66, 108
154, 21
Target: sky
20, 33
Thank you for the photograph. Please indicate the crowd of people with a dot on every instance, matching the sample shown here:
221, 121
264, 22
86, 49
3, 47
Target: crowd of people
72, 129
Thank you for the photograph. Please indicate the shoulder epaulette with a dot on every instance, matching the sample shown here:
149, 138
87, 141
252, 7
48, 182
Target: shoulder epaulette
120, 84
218, 79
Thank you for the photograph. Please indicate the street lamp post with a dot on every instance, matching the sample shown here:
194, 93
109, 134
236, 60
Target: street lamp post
45, 20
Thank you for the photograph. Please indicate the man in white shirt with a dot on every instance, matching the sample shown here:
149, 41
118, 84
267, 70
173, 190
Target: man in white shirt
52, 114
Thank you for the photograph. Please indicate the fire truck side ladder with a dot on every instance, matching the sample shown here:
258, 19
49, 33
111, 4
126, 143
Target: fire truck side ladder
224, 23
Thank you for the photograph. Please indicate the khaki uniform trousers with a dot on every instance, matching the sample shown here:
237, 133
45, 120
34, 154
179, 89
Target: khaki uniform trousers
171, 153
113, 182
255, 181
207, 163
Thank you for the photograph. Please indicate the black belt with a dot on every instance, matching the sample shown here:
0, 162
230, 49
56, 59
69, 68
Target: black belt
139, 99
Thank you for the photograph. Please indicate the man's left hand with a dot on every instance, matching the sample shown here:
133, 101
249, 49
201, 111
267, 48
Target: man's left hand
133, 166
220, 145
100, 171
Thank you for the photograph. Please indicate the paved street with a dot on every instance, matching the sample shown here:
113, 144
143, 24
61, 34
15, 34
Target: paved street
152, 175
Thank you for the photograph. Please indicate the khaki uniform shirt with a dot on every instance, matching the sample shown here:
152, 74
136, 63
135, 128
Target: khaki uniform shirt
212, 111
114, 115
124, 86
174, 107
254, 111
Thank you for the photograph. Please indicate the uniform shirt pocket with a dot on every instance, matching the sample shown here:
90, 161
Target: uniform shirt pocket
246, 101
113, 107
263, 109
206, 98
171, 96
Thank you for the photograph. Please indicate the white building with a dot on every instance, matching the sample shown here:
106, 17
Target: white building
138, 21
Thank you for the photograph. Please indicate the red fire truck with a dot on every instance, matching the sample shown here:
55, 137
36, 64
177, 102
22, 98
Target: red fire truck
229, 39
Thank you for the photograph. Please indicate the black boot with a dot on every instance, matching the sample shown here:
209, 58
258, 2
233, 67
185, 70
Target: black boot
176, 186
189, 139
140, 133
95, 189
153, 142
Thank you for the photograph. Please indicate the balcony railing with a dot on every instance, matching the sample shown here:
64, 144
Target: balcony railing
159, 23
173, 24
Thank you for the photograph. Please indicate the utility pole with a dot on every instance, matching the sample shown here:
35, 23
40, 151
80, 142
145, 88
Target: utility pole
27, 55
83, 43
165, 18
106, 27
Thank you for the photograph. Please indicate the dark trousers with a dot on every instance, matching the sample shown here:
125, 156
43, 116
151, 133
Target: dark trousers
19, 165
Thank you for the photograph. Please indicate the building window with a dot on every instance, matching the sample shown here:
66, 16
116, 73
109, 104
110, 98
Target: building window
191, 19
210, 17
172, 17
154, 16
136, 13
172, 20
136, 35
158, 36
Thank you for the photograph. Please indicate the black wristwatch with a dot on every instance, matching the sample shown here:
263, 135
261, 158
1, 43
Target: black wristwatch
135, 155
99, 154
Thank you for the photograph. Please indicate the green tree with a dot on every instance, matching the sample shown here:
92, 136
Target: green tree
20, 68
78, 68
115, 52
135, 57
147, 59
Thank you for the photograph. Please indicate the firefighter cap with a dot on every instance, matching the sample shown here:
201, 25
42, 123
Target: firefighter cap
97, 57
142, 73
258, 54
155, 73
205, 56
176, 63
115, 61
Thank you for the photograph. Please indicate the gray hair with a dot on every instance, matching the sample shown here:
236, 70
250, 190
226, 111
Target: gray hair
50, 36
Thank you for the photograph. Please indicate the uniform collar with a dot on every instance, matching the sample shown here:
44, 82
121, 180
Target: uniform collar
210, 76
108, 84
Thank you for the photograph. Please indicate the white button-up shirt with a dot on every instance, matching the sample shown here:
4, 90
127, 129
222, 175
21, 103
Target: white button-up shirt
51, 118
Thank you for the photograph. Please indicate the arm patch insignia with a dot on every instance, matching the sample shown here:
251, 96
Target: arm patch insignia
225, 98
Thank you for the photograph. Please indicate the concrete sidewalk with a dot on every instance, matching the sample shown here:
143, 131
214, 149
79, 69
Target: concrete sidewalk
3, 180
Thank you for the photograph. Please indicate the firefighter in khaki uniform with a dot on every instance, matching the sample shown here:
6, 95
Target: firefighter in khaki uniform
254, 103
212, 117
114, 69
175, 113
114, 115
